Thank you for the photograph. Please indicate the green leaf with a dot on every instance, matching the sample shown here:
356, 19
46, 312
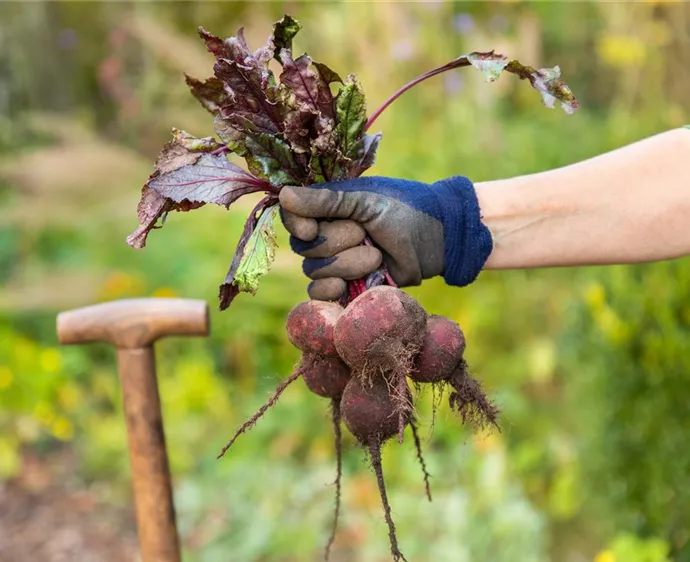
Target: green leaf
284, 30
258, 254
350, 110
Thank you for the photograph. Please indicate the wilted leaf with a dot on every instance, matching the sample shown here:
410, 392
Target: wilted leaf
233, 48
210, 93
366, 150
490, 64
271, 158
311, 91
548, 83
187, 176
229, 289
350, 108
284, 30
151, 207
326, 140
297, 126
195, 144
250, 96
328, 75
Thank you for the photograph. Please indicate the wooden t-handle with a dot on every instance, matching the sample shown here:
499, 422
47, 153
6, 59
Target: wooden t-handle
132, 326
133, 323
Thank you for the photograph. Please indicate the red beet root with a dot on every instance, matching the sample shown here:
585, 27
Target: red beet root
369, 409
442, 350
382, 328
325, 376
310, 327
371, 415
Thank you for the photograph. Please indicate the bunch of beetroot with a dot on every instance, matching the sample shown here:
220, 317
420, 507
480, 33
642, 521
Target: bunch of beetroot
363, 358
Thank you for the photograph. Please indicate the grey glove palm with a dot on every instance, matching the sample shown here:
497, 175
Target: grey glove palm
412, 225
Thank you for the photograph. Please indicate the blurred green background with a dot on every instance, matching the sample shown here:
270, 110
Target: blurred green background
589, 366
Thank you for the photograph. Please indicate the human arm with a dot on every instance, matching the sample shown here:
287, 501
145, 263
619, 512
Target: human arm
625, 206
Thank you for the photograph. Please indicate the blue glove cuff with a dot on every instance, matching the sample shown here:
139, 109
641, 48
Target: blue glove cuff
467, 241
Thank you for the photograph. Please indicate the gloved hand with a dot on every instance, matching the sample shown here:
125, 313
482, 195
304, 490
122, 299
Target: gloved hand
419, 231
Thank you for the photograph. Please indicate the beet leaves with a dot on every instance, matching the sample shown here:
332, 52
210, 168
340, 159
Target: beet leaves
288, 129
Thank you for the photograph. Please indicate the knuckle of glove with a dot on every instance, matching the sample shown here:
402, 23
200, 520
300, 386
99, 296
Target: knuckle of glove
353, 263
332, 238
328, 289
301, 228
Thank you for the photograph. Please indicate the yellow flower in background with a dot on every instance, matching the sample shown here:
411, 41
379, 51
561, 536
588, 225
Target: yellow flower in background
164, 292
605, 556
621, 51
595, 295
50, 360
119, 283
6, 377
69, 396
62, 429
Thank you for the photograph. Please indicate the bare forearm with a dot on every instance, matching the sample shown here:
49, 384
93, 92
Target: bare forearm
629, 205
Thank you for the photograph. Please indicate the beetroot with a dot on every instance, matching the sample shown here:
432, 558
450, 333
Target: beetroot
360, 358
382, 328
371, 415
310, 327
381, 331
369, 410
442, 350
325, 376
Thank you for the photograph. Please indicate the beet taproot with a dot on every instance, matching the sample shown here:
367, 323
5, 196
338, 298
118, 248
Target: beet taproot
328, 377
441, 352
382, 328
310, 327
371, 414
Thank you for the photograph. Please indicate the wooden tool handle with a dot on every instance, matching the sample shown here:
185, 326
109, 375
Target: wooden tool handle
133, 323
151, 481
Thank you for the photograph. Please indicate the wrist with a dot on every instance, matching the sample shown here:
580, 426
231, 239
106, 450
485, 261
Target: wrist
521, 212
466, 239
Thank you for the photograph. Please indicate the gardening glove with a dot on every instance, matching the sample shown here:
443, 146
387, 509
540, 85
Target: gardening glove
419, 231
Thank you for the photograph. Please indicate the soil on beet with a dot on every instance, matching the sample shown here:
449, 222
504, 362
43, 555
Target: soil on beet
382, 329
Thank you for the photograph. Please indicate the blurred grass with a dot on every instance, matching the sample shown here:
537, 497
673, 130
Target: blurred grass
589, 366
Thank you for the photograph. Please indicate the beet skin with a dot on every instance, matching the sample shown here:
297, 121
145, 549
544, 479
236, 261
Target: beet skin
310, 327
